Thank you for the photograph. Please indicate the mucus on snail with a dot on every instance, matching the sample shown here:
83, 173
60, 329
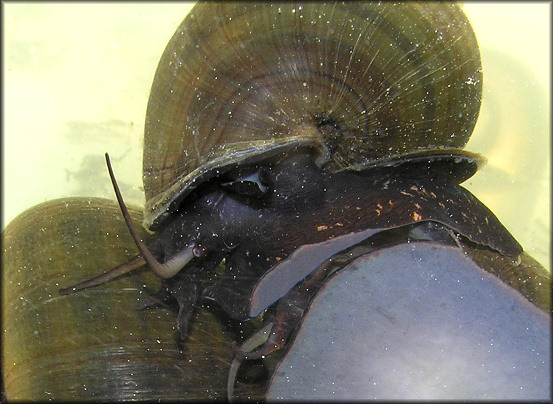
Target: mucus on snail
280, 135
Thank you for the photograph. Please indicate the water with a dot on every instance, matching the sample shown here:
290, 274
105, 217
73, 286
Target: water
77, 78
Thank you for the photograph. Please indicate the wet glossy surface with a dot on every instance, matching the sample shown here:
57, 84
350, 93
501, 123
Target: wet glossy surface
417, 321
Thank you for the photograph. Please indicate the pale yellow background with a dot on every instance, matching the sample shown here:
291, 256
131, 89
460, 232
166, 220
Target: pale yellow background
77, 78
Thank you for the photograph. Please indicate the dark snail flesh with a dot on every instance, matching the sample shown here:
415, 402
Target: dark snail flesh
279, 137
260, 123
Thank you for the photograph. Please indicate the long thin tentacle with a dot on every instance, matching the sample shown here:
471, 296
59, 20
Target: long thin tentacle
165, 270
135, 262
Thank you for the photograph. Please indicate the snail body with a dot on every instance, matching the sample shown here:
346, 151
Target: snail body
258, 128
280, 136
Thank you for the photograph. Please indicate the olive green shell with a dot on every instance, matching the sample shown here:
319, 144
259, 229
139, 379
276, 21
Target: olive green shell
357, 81
93, 345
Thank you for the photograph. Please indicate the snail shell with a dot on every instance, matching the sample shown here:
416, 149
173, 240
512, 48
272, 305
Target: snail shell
88, 346
359, 82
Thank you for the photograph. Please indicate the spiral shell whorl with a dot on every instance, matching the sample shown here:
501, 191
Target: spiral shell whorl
236, 82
